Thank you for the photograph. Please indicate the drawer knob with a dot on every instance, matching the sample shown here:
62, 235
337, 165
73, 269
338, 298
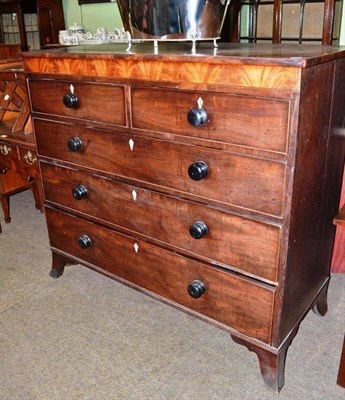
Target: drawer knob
196, 289
197, 117
84, 241
198, 230
198, 170
79, 192
75, 144
70, 100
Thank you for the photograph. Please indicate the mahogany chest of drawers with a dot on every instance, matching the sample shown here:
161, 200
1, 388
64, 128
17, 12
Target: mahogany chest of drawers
206, 180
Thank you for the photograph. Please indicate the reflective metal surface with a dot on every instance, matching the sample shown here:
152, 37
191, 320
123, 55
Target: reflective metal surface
173, 19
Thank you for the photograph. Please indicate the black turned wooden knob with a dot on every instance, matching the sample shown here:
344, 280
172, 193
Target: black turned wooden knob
196, 289
197, 117
198, 229
75, 144
79, 192
70, 100
84, 241
198, 170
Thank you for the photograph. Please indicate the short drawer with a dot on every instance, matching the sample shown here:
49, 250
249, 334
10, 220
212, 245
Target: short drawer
8, 155
95, 102
229, 299
246, 182
261, 123
241, 243
29, 158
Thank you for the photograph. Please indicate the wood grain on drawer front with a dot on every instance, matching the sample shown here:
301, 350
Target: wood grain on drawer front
242, 243
247, 121
96, 102
246, 182
229, 299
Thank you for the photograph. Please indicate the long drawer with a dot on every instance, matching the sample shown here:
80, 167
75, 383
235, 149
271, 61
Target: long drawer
242, 181
228, 299
246, 121
241, 243
47, 97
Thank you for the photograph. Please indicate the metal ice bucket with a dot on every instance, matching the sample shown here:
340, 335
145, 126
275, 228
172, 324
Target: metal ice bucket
173, 19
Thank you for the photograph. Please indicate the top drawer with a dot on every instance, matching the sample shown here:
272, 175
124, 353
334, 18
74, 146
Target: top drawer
95, 102
261, 123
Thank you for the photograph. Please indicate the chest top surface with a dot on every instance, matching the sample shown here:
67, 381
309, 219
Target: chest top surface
264, 66
264, 54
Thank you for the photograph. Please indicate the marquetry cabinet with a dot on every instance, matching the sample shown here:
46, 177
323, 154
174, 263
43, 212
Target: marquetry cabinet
208, 180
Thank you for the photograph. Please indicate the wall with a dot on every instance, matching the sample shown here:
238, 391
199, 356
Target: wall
92, 16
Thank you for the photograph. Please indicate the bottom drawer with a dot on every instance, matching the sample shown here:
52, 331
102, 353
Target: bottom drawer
230, 299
